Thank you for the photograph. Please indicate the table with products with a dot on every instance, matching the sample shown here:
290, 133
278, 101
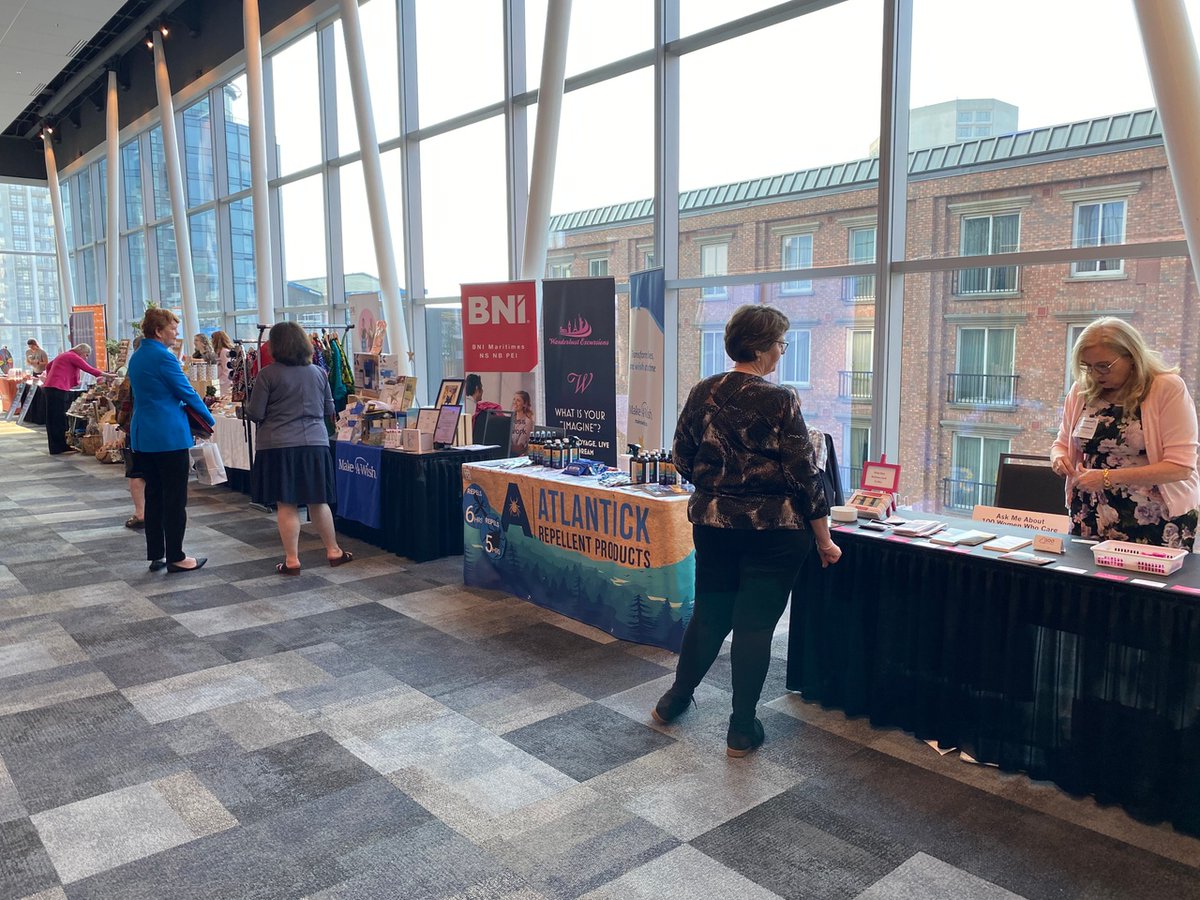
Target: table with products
616, 558
229, 434
420, 513
1082, 675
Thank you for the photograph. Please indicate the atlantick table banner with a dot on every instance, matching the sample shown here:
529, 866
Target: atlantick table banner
647, 301
618, 560
499, 327
357, 476
579, 349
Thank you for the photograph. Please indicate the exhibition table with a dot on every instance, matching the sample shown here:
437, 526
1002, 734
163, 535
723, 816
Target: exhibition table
229, 434
8, 390
1087, 678
616, 558
421, 493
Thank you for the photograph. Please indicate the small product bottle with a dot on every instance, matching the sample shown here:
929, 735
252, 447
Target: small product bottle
666, 470
556, 454
635, 451
652, 461
575, 454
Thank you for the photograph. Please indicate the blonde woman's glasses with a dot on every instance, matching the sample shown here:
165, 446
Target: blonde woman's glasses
1099, 368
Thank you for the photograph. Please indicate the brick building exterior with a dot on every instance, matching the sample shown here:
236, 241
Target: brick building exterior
984, 348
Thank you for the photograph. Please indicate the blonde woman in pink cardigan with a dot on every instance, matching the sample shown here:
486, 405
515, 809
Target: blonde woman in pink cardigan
1128, 441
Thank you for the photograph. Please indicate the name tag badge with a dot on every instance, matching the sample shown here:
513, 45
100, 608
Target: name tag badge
1086, 429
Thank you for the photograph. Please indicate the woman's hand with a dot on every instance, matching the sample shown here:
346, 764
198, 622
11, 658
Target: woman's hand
1061, 467
1089, 480
829, 553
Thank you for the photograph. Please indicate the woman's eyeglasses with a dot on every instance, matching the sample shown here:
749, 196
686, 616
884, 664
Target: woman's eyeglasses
1099, 368
783, 345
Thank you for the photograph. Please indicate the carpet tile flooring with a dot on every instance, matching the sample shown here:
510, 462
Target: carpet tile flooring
380, 731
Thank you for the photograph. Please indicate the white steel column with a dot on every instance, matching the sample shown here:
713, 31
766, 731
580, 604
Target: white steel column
66, 289
183, 237
545, 138
113, 225
381, 229
1175, 74
261, 206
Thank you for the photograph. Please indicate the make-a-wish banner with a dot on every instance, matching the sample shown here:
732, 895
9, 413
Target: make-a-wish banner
358, 487
579, 353
644, 424
619, 561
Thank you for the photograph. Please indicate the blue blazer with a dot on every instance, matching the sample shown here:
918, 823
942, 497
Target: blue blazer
160, 392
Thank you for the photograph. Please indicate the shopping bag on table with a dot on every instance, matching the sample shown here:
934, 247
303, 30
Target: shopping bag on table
206, 459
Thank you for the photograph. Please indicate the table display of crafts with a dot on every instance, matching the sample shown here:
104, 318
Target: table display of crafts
88, 413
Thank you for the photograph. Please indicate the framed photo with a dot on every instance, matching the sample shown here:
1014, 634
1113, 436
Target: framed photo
446, 429
427, 419
450, 393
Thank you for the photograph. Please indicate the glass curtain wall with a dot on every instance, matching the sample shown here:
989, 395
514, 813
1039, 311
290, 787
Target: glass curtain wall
1063, 183
30, 305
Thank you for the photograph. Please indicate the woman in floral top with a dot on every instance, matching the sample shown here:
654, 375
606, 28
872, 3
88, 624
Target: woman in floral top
1128, 440
758, 509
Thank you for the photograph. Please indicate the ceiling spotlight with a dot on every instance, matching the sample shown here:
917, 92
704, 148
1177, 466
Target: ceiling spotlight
48, 130
163, 29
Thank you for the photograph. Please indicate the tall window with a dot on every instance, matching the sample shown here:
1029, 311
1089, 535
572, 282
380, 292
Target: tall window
558, 270
714, 260
198, 152
796, 252
862, 250
1099, 225
598, 267
974, 466
131, 182
712, 352
857, 444
985, 367
794, 364
984, 235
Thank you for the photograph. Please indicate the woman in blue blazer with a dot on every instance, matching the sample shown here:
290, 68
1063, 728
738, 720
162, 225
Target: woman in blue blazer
160, 437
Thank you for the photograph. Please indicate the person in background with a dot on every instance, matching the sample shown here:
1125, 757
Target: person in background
1128, 441
473, 390
35, 357
61, 377
137, 481
221, 345
6, 359
756, 510
161, 436
522, 423
202, 349
290, 403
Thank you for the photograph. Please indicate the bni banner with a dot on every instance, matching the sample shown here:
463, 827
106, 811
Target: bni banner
357, 478
646, 302
579, 352
499, 327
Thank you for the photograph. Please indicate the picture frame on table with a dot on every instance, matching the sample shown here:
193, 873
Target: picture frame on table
451, 391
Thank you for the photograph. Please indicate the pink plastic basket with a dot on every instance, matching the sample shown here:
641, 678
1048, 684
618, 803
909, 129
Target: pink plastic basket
1138, 557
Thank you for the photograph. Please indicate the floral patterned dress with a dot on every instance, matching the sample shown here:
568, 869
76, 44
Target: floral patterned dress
1125, 513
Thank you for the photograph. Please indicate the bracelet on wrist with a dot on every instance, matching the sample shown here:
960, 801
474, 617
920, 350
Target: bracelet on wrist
1107, 481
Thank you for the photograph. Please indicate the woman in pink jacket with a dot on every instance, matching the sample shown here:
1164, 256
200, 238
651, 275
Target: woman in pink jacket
1127, 443
59, 380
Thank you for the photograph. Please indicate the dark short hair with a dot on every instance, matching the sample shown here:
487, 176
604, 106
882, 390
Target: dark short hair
474, 383
752, 328
31, 343
290, 345
155, 319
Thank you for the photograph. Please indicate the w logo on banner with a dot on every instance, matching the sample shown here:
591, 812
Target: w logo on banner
581, 380
514, 510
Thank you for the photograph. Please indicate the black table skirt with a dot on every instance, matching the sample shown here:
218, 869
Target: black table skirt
1092, 684
421, 517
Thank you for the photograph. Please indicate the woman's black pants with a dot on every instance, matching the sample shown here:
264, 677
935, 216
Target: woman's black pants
166, 477
57, 403
743, 578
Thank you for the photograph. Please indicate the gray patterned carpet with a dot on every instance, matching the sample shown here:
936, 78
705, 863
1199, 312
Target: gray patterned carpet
377, 730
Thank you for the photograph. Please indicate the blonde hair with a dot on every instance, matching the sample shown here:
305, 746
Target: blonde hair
221, 341
83, 349
1122, 338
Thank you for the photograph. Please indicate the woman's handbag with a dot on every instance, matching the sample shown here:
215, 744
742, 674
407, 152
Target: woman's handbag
200, 428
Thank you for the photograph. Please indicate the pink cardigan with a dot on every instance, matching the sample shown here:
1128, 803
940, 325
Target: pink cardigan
1169, 426
63, 372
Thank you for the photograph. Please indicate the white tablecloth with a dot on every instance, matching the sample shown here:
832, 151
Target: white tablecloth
230, 436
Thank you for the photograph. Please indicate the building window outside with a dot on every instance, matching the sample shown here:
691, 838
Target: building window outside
794, 364
1099, 225
984, 235
796, 252
714, 260
856, 442
984, 373
712, 352
862, 250
598, 267
558, 270
648, 260
973, 470
131, 182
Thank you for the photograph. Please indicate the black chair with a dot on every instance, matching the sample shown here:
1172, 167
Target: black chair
494, 426
1028, 483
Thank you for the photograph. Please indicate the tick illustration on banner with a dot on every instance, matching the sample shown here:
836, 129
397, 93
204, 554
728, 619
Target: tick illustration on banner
580, 328
580, 380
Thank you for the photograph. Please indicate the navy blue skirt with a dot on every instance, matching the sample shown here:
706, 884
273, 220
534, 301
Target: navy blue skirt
294, 475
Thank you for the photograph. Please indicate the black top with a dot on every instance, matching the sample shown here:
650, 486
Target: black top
743, 443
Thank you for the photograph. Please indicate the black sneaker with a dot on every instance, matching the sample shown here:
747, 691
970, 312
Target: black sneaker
671, 706
740, 742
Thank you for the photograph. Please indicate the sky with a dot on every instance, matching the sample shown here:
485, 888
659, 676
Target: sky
801, 94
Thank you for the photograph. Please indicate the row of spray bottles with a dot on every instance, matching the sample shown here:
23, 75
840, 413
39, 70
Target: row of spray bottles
555, 453
652, 467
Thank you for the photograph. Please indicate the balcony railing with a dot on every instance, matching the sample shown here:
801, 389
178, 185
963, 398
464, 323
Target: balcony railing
967, 494
982, 390
858, 288
851, 478
989, 280
855, 386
